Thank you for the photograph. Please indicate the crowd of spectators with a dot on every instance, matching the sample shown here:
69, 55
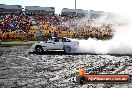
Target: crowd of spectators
66, 25
14, 23
58, 25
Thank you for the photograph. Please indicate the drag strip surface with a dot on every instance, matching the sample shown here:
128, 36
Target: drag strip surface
21, 69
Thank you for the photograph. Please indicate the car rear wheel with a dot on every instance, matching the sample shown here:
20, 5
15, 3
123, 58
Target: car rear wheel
67, 49
39, 49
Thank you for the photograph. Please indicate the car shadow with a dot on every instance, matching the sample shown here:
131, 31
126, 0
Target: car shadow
56, 53
64, 53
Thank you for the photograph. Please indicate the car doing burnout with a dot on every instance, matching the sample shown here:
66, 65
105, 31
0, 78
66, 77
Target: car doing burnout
56, 43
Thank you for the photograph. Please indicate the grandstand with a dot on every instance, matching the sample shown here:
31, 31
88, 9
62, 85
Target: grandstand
10, 8
73, 12
42, 21
39, 10
95, 14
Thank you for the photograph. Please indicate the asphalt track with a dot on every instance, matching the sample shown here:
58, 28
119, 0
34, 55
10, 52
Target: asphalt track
55, 69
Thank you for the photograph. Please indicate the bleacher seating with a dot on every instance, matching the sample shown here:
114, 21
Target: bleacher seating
53, 25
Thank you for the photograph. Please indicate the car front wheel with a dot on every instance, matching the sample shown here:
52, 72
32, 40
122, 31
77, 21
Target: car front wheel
39, 49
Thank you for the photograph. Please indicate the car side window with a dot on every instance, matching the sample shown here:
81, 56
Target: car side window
65, 40
56, 40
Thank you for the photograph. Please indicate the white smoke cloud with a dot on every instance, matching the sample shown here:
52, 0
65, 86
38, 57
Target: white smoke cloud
121, 42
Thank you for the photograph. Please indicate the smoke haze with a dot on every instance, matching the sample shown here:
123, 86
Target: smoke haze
121, 42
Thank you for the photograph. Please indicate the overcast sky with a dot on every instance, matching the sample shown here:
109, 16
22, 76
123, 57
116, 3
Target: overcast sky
119, 6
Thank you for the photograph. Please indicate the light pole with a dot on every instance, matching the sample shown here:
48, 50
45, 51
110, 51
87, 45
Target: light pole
75, 4
75, 7
75, 13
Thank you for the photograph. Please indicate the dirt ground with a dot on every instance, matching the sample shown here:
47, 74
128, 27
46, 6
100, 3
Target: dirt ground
18, 69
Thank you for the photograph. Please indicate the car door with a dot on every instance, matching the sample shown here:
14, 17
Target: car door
66, 41
49, 45
58, 43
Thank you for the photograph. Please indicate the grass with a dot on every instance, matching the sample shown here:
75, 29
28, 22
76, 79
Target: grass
19, 42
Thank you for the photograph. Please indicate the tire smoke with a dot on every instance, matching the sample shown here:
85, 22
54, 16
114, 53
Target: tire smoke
121, 43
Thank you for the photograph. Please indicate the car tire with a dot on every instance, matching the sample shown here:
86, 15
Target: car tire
39, 49
67, 49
